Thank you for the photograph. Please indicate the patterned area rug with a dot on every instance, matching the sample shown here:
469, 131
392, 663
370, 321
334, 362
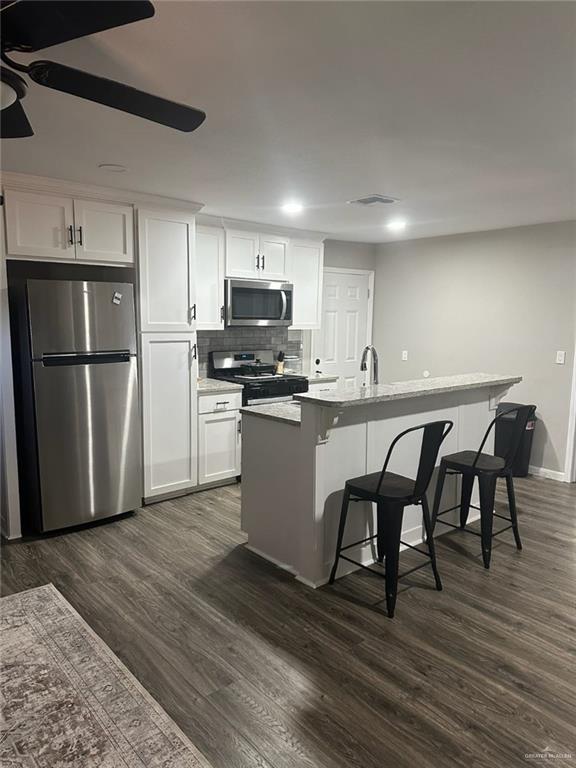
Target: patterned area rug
67, 700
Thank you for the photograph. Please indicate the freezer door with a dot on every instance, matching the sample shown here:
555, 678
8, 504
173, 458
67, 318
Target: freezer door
80, 316
88, 437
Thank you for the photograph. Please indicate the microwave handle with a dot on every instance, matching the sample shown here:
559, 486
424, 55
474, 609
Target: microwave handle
284, 305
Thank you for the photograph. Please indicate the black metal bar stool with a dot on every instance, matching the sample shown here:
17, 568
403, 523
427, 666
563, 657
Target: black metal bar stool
487, 468
391, 493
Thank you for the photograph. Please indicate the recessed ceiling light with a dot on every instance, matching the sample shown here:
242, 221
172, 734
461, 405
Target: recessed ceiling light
397, 225
112, 167
292, 207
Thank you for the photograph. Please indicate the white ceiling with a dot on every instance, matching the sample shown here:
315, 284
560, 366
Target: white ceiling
464, 110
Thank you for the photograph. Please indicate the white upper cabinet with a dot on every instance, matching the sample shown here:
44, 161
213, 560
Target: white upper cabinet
305, 271
104, 231
39, 225
167, 271
49, 226
256, 256
273, 253
242, 259
210, 278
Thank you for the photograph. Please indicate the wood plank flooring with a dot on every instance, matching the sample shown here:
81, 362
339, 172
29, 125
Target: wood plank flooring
259, 670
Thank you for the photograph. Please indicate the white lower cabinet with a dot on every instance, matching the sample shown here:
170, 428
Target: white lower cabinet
218, 446
170, 408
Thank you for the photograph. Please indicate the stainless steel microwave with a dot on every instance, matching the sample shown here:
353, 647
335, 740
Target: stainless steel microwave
257, 302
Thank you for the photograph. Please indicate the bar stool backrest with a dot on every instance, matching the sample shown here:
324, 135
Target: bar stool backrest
433, 435
523, 415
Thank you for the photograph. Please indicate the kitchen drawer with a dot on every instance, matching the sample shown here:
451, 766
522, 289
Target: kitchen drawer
322, 386
222, 401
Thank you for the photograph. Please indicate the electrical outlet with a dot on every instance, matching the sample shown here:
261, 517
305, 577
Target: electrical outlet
426, 374
560, 357
405, 354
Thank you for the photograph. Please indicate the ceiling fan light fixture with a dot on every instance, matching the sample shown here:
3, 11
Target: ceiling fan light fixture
7, 95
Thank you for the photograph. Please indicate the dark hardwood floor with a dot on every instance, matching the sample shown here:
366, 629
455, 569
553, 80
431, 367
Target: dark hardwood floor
259, 670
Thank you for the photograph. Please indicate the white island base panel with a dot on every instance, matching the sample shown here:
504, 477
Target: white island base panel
293, 475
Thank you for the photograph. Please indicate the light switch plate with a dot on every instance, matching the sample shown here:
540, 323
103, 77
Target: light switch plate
405, 354
560, 357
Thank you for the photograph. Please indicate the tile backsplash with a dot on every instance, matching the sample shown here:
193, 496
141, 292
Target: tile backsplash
238, 339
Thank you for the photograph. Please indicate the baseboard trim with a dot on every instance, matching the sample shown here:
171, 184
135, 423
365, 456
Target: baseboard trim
550, 474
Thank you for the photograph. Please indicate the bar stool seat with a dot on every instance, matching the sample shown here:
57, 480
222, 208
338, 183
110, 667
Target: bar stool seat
392, 493
473, 461
374, 486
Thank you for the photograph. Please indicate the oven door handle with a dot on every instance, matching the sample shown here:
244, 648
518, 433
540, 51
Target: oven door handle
284, 305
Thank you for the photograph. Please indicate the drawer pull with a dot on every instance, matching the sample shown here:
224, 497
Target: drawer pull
223, 402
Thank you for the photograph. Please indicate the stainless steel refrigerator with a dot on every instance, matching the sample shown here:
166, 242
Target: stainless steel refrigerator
86, 401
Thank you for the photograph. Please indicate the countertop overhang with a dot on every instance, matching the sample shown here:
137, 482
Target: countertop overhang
381, 393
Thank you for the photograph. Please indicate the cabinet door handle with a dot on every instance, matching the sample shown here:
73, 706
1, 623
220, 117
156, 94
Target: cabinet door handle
194, 352
258, 261
191, 313
222, 313
70, 235
263, 263
239, 426
80, 236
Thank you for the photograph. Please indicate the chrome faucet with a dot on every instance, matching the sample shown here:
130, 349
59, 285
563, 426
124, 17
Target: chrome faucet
363, 365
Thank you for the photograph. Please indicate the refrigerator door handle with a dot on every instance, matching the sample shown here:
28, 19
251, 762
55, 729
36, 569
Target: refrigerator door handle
85, 358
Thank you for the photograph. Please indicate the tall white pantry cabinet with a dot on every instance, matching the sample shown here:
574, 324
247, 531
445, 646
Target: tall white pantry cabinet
169, 351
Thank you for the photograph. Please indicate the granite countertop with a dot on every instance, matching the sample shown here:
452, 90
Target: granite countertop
341, 398
206, 386
287, 412
322, 377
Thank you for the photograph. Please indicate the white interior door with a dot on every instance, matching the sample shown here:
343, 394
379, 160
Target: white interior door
346, 325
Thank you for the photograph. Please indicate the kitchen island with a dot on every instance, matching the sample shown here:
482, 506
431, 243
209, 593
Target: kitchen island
296, 460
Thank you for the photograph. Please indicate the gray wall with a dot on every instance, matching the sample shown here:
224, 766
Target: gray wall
339, 253
501, 301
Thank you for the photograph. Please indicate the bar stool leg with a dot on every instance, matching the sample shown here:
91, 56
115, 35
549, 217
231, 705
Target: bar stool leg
430, 541
391, 518
487, 485
513, 515
341, 527
438, 493
380, 512
467, 485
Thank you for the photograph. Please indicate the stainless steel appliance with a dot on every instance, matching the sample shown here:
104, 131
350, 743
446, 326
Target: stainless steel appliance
255, 371
85, 399
257, 302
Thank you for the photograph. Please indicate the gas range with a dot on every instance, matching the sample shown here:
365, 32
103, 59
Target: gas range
255, 371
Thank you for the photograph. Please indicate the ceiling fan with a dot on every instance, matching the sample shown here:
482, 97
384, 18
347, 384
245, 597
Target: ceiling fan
30, 25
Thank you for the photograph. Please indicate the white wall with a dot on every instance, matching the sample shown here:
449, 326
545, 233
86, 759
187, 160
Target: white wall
339, 253
502, 301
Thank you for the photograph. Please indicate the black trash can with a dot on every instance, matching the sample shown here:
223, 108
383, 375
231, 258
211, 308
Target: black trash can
503, 437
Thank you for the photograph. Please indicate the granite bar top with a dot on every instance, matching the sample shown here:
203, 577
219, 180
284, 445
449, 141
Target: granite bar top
206, 386
325, 377
287, 412
381, 393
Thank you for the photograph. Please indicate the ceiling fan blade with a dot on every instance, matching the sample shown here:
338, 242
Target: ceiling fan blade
115, 95
14, 123
30, 25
